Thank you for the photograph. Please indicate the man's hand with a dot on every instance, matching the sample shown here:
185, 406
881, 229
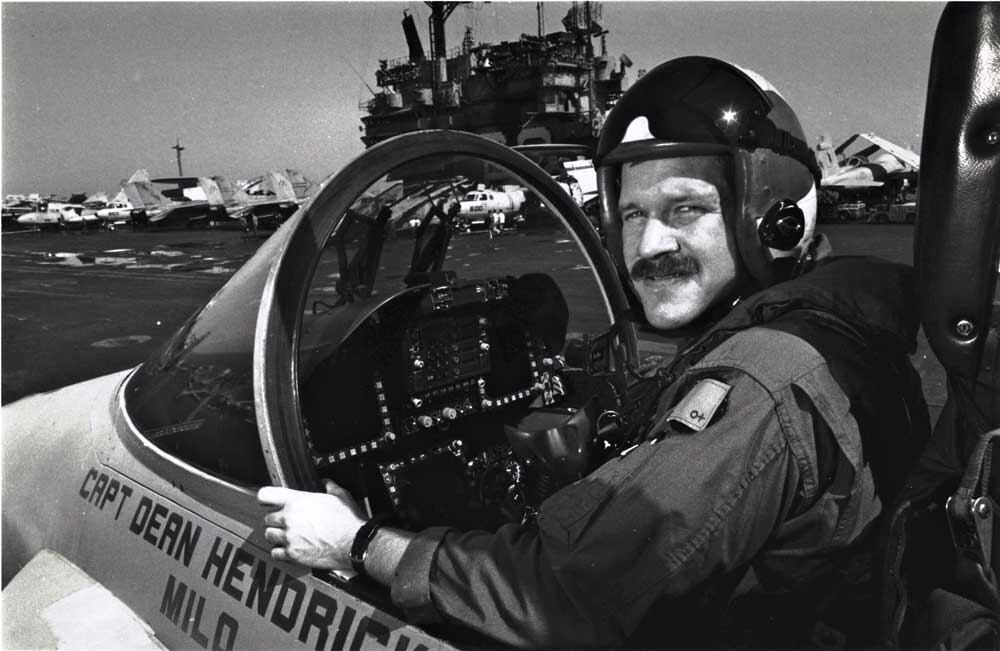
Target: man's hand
314, 529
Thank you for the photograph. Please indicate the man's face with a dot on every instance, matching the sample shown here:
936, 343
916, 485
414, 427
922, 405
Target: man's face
680, 256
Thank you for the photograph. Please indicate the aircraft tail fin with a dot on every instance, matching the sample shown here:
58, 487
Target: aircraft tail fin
141, 192
281, 185
212, 190
144, 195
131, 195
139, 176
302, 186
231, 193
826, 157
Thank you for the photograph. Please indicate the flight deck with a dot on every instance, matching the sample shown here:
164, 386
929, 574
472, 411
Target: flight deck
82, 303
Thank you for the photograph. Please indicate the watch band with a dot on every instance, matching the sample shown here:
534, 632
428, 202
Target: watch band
364, 537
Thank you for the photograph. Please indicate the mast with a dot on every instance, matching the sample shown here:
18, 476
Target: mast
179, 149
440, 12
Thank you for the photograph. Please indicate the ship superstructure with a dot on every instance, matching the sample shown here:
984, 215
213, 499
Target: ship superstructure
545, 88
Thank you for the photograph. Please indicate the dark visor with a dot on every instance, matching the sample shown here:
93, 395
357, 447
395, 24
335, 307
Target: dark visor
701, 100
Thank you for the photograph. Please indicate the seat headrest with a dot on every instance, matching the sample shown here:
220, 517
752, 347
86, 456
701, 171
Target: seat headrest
957, 239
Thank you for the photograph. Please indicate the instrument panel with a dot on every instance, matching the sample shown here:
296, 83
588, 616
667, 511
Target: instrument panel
408, 411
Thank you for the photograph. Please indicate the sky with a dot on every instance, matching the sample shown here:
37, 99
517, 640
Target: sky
93, 91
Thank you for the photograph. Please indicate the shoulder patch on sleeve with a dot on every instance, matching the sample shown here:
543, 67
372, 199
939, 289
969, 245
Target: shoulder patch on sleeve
695, 410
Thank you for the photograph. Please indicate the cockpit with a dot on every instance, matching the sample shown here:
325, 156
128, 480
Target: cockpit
443, 376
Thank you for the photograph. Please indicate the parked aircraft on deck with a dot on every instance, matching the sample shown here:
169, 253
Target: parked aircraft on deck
570, 165
115, 213
163, 484
254, 211
16, 205
874, 162
262, 186
55, 214
491, 208
174, 207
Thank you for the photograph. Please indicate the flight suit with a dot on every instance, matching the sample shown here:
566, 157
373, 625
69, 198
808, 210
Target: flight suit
770, 498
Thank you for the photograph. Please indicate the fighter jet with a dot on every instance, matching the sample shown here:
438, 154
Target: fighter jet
184, 205
254, 211
301, 186
340, 349
876, 162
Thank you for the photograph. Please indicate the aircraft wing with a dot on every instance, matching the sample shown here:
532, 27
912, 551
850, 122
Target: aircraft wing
905, 155
188, 212
850, 184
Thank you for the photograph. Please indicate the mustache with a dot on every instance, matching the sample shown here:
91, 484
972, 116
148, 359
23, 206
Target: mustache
668, 264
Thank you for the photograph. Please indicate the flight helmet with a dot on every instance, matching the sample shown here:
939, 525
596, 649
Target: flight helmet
700, 106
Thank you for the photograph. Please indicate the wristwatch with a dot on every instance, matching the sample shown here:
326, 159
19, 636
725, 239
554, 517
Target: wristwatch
364, 537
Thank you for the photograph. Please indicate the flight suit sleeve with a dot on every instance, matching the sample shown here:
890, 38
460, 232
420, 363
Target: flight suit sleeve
658, 521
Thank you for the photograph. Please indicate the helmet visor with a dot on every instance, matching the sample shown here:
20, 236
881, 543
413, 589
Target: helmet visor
696, 101
693, 99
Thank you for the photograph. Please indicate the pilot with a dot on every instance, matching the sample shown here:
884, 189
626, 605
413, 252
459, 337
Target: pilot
747, 510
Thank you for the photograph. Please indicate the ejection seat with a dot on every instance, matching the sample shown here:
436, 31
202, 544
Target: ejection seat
944, 541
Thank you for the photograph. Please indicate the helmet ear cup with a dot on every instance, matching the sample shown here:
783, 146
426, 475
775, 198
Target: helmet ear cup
782, 226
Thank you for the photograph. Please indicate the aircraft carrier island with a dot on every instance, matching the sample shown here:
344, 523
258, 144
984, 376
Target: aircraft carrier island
550, 87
